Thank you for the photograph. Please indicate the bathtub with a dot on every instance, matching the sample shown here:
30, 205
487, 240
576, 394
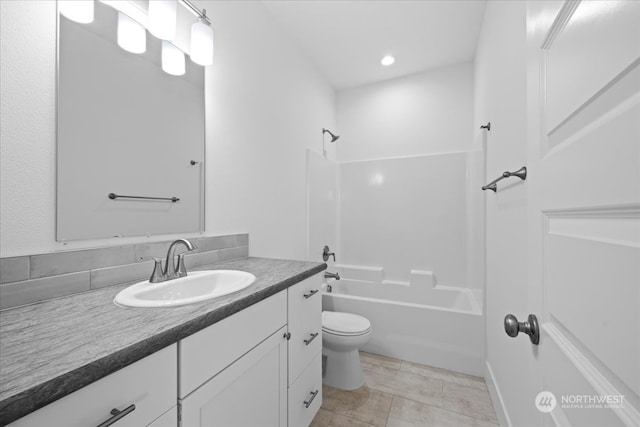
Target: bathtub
437, 326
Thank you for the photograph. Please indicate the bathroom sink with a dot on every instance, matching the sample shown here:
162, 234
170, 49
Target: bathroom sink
197, 286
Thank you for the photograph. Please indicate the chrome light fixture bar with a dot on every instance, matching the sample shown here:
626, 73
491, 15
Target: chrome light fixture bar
196, 11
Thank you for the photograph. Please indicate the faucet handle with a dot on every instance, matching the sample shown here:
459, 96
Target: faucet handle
181, 269
326, 254
157, 275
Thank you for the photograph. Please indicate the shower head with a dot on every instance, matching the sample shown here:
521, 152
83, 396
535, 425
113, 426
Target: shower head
334, 138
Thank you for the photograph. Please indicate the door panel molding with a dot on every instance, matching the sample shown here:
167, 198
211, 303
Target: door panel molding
603, 381
598, 266
603, 107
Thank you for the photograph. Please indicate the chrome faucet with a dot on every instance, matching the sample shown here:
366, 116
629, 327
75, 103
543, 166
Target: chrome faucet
328, 275
171, 270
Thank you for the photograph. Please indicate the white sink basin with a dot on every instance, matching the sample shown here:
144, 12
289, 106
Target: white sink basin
197, 286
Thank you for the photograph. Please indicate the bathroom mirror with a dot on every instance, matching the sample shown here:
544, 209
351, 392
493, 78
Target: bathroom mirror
125, 128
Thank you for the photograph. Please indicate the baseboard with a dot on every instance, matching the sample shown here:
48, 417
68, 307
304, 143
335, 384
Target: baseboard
496, 398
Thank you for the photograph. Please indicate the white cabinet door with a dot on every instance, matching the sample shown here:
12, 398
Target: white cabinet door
250, 392
584, 209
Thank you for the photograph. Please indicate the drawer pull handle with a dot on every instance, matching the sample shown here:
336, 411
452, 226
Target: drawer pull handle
310, 294
313, 337
118, 415
307, 403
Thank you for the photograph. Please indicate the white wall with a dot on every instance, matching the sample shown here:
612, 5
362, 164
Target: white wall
425, 113
27, 127
500, 97
322, 206
406, 213
265, 106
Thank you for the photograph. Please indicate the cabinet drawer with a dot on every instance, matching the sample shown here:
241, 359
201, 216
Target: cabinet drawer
305, 395
149, 384
205, 353
305, 321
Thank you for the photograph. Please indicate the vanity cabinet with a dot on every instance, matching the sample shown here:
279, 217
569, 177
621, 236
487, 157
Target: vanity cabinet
258, 367
305, 351
150, 384
261, 366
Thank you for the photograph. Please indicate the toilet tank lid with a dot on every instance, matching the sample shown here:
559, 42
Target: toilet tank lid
344, 322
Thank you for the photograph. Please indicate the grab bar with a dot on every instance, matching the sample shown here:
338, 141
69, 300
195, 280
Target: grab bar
520, 173
114, 196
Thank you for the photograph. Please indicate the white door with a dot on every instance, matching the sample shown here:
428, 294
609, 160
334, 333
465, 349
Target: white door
584, 208
251, 392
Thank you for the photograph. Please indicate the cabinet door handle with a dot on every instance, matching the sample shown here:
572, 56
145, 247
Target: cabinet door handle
313, 337
118, 415
310, 294
307, 403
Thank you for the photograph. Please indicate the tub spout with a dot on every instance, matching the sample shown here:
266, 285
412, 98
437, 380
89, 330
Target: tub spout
328, 275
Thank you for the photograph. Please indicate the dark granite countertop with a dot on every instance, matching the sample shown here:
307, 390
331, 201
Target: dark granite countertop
51, 349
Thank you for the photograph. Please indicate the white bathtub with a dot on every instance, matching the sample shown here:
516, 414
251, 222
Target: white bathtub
436, 326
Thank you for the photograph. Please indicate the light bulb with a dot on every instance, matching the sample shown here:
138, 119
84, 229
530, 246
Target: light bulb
172, 59
388, 60
132, 36
77, 10
162, 18
202, 43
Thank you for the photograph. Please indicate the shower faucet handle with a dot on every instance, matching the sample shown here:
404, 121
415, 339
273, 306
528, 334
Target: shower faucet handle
326, 254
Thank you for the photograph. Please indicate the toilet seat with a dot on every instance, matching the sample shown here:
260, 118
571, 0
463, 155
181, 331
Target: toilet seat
344, 324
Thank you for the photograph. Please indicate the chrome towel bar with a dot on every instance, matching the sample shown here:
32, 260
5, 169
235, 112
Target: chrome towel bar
114, 196
520, 173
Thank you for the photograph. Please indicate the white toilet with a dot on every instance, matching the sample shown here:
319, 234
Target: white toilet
342, 335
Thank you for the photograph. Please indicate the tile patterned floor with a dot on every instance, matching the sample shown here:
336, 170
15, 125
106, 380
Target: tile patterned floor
398, 393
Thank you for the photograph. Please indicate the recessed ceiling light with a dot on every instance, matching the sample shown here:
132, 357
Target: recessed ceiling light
388, 60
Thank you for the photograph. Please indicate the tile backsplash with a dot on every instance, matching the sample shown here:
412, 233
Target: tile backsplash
33, 278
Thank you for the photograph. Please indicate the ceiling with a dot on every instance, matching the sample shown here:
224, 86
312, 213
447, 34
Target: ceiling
346, 39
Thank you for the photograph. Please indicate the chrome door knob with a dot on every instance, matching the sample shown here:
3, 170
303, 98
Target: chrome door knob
512, 327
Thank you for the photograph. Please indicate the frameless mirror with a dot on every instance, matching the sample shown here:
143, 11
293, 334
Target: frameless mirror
125, 128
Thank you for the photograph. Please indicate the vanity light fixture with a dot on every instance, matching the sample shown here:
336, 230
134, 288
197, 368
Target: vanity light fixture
132, 36
202, 41
387, 60
172, 59
163, 16
77, 10
160, 20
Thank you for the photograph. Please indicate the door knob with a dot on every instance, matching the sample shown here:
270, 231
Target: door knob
512, 327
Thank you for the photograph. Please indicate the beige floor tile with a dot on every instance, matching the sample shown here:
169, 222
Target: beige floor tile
338, 420
363, 404
468, 401
404, 384
407, 413
444, 375
322, 418
378, 360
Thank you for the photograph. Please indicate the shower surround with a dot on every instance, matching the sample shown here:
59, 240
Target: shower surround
408, 238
